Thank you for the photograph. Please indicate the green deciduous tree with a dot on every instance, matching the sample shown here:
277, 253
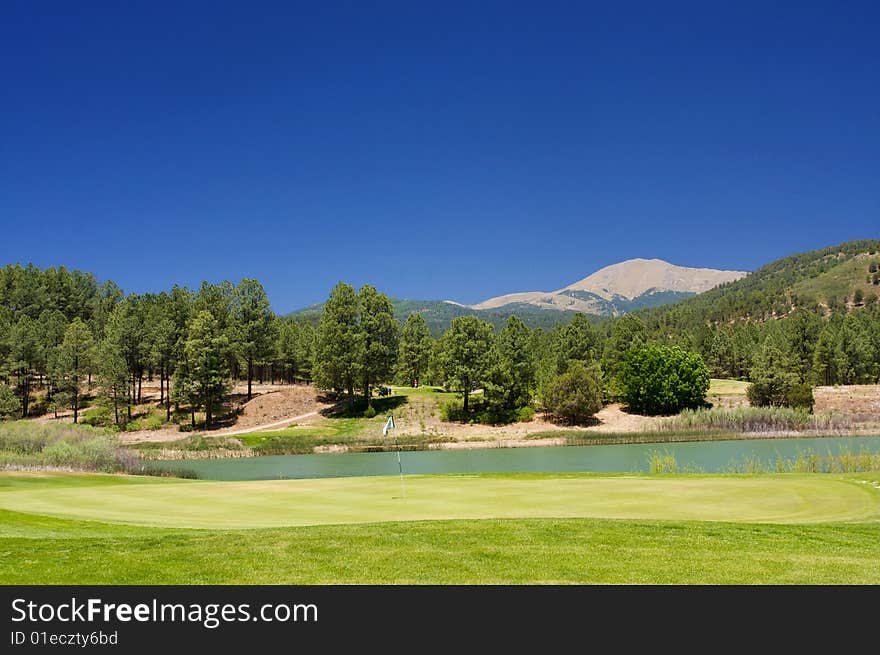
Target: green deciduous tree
662, 379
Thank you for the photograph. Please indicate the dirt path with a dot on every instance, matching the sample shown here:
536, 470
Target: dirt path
277, 425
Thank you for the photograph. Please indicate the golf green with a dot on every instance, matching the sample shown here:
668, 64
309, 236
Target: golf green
277, 503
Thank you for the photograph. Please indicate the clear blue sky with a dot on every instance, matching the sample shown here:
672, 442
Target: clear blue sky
436, 150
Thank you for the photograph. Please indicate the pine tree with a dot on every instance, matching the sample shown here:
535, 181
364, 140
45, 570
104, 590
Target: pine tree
74, 361
340, 348
206, 352
464, 354
381, 339
415, 349
254, 325
517, 363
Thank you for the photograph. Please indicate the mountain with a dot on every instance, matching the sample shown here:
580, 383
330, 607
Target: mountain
620, 288
611, 291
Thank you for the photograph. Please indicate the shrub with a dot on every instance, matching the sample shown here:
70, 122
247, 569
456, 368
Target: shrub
663, 380
780, 391
9, 405
100, 415
81, 448
574, 396
484, 413
370, 412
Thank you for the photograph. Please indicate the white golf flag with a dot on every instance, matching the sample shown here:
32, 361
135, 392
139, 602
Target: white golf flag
388, 425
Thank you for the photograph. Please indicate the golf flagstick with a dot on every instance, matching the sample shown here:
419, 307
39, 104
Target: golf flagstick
389, 425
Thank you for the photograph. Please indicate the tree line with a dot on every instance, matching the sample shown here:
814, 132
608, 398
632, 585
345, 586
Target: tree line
62, 334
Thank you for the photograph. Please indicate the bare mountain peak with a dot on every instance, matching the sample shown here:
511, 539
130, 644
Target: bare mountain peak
609, 289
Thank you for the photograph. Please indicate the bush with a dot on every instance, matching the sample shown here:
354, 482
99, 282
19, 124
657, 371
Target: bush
370, 412
574, 396
9, 405
780, 392
63, 446
484, 413
663, 380
100, 415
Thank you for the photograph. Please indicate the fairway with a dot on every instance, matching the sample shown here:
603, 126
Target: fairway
280, 503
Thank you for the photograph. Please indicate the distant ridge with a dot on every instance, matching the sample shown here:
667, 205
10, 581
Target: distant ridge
622, 287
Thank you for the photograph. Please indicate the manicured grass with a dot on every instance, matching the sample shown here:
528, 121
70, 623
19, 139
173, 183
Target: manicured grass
720, 387
535, 551
276, 503
521, 541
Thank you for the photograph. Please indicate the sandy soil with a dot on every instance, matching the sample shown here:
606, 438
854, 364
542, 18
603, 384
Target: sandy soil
862, 401
274, 407
277, 404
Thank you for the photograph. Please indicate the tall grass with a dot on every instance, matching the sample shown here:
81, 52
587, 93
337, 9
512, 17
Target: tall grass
756, 419
32, 445
662, 463
807, 461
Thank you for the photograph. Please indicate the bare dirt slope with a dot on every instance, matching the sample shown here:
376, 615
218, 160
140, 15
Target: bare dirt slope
278, 404
861, 401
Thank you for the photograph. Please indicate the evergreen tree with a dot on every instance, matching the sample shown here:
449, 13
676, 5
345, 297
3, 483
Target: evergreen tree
9, 405
254, 325
381, 339
24, 358
74, 361
516, 363
113, 375
206, 352
415, 349
575, 396
464, 354
340, 344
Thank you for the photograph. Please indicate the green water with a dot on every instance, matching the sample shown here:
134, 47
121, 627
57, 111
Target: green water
706, 456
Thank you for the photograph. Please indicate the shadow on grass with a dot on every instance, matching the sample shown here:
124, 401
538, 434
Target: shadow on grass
342, 408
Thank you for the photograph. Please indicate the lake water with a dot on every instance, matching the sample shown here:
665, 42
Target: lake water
706, 456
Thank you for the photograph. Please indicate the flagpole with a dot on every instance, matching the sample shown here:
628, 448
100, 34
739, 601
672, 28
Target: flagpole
389, 425
400, 468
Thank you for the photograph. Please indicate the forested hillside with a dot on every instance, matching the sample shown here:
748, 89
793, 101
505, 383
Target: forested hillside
814, 314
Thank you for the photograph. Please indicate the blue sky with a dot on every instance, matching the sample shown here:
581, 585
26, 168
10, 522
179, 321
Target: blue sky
436, 150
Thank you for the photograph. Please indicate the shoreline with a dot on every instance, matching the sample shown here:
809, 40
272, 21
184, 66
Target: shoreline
487, 444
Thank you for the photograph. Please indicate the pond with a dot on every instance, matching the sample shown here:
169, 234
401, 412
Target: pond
705, 456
